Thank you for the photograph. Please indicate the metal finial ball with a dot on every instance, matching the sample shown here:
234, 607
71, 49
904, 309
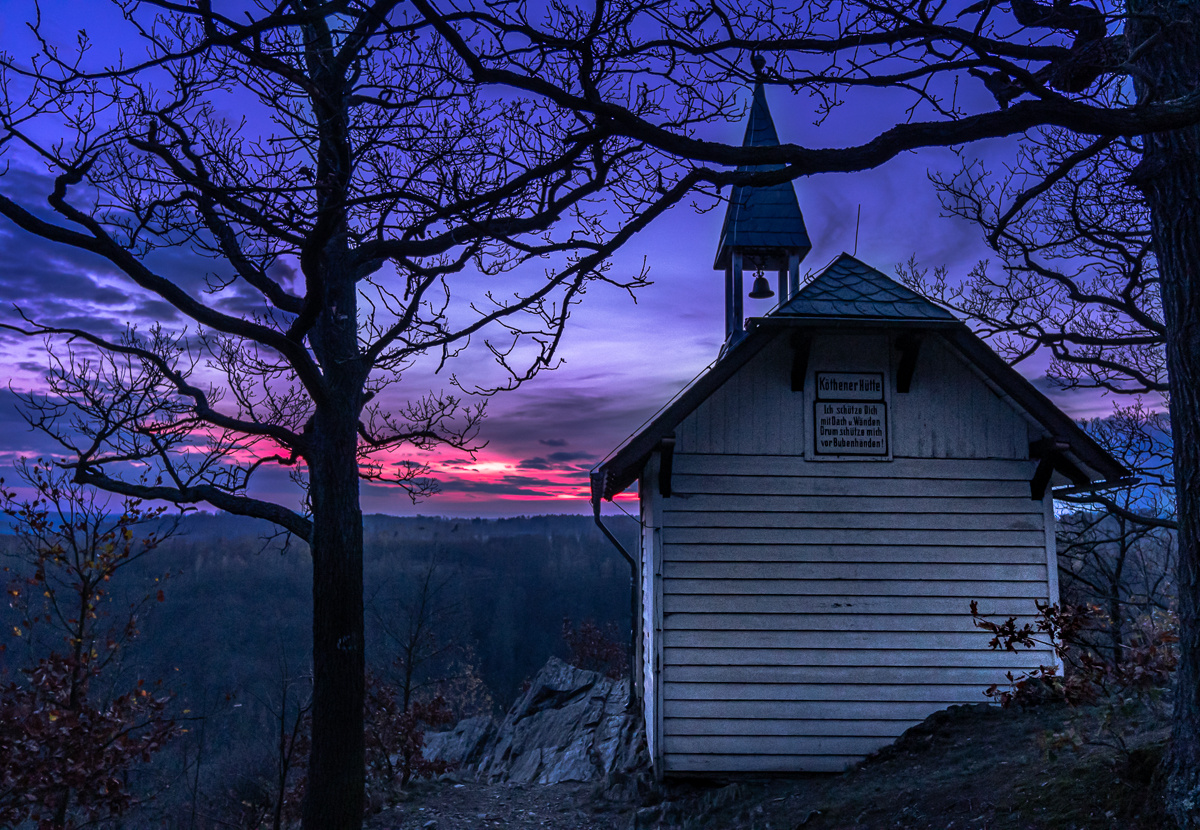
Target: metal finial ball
758, 62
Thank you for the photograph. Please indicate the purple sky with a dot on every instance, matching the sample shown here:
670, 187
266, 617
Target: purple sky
622, 360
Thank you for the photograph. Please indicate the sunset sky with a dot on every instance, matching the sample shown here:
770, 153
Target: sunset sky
623, 360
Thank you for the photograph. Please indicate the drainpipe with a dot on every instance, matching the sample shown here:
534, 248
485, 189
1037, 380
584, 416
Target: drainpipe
597, 495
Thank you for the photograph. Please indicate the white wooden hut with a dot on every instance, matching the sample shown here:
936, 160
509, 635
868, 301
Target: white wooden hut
821, 506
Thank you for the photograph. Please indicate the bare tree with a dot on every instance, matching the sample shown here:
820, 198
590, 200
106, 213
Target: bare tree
422, 632
362, 215
1077, 280
1077, 277
412, 144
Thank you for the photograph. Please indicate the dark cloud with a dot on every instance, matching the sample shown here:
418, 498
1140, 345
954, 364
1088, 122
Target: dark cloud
553, 442
58, 284
561, 457
555, 461
20, 439
495, 488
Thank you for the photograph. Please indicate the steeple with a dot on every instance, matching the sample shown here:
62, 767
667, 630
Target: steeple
764, 229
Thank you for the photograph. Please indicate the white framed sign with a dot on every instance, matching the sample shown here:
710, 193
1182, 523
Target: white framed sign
850, 414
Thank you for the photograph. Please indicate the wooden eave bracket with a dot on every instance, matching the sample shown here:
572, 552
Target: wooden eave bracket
1050, 453
801, 346
910, 347
666, 449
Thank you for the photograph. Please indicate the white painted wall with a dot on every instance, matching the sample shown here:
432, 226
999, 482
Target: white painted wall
812, 610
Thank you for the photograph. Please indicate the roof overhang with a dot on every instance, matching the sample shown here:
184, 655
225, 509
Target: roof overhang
1075, 454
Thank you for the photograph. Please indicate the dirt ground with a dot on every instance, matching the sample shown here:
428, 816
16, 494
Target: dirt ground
970, 768
467, 805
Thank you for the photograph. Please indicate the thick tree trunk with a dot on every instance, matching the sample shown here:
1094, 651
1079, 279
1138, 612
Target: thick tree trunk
1170, 179
334, 797
334, 800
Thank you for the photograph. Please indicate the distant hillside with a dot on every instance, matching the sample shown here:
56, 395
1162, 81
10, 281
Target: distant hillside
235, 618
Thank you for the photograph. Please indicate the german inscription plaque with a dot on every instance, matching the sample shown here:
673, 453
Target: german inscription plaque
849, 414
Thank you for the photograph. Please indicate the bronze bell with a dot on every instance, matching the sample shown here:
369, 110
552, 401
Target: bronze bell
761, 290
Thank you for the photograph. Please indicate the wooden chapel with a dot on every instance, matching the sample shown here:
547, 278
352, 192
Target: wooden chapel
820, 507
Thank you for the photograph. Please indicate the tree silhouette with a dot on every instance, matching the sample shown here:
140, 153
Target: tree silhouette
395, 156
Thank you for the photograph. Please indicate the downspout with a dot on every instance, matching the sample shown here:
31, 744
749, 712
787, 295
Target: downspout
634, 610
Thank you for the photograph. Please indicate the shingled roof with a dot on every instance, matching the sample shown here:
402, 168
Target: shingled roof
850, 288
762, 217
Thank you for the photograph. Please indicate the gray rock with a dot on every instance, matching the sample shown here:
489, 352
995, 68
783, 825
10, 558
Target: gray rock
571, 725
463, 745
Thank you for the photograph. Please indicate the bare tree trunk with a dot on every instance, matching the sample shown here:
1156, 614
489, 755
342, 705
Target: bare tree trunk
334, 800
1169, 175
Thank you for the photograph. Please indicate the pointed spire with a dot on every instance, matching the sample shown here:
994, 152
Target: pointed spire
760, 128
765, 222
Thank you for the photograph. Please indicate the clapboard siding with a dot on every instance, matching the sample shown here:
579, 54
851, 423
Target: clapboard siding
853, 570
975, 676
837, 603
810, 709
793, 692
683, 763
780, 726
972, 641
864, 587
734, 536
713, 464
824, 622
856, 521
869, 657
684, 502
941, 554
771, 744
687, 485
812, 610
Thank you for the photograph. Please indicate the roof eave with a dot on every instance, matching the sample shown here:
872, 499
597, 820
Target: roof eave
1085, 451
623, 468
618, 473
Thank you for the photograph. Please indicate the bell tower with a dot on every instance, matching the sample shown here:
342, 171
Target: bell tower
764, 229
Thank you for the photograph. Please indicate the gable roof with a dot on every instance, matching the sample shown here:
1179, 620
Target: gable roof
849, 288
850, 293
762, 217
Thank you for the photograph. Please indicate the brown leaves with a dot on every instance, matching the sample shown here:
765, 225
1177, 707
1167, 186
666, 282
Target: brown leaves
1145, 663
56, 748
65, 751
596, 649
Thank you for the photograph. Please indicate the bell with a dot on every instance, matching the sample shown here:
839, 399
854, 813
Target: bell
761, 290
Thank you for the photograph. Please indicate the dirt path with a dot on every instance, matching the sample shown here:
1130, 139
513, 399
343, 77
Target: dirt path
472, 806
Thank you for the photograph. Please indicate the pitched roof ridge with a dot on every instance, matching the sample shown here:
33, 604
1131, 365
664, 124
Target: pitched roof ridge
848, 287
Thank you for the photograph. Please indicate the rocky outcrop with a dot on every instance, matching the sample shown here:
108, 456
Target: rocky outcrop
463, 745
571, 725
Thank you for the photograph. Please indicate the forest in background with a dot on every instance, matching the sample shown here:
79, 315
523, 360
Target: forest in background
479, 604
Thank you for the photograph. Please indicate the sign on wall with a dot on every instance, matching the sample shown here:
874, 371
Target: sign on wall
850, 414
